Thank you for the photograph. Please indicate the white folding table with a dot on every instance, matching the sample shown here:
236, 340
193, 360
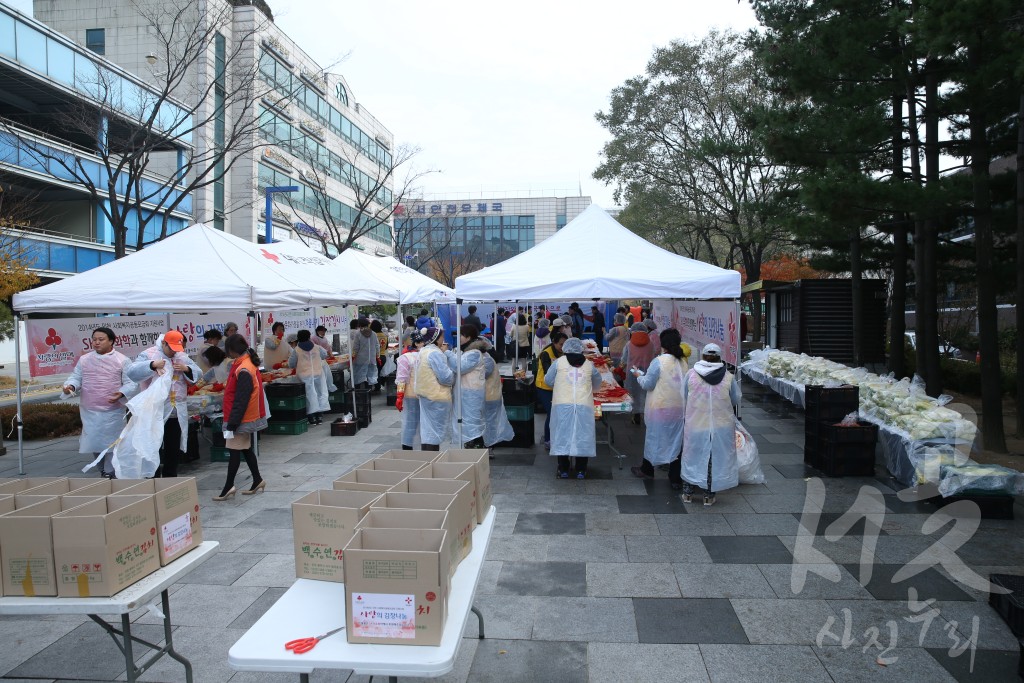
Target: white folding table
310, 608
624, 407
131, 598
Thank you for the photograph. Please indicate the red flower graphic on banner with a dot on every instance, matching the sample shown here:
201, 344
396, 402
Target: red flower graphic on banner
53, 339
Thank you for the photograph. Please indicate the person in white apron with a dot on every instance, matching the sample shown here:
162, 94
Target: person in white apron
407, 402
365, 350
710, 395
663, 411
275, 349
169, 351
218, 363
473, 371
432, 383
102, 377
211, 338
638, 354
308, 360
497, 428
573, 379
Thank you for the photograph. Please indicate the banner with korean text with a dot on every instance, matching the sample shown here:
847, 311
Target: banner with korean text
54, 346
706, 322
194, 325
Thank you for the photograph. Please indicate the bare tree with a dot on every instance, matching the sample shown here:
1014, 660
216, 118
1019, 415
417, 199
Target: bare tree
156, 146
419, 239
377, 188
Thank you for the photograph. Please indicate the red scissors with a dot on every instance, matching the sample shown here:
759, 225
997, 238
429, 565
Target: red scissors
302, 645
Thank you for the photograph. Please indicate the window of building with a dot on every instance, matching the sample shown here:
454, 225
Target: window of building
342, 93
786, 308
96, 40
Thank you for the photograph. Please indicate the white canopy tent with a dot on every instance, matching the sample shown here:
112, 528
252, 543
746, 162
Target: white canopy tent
408, 285
594, 257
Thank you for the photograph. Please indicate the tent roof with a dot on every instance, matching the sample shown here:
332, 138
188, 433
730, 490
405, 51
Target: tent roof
199, 269
404, 284
594, 257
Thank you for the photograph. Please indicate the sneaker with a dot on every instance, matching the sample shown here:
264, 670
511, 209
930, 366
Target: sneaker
311, 420
639, 473
581, 475
709, 499
562, 475
319, 420
687, 497
547, 445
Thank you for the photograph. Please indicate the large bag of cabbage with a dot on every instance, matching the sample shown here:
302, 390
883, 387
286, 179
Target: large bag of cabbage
747, 458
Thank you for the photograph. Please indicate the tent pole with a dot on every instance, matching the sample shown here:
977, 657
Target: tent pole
17, 379
458, 366
351, 370
252, 345
739, 357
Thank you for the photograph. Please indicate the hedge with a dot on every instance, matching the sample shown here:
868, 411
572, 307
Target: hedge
43, 420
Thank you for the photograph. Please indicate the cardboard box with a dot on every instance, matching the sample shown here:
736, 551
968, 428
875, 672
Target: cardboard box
480, 457
390, 518
178, 522
393, 465
463, 471
396, 586
463, 511
104, 546
6, 504
20, 484
380, 481
417, 456
322, 523
429, 501
63, 487
26, 547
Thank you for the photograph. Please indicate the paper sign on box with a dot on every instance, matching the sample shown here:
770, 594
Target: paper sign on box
173, 498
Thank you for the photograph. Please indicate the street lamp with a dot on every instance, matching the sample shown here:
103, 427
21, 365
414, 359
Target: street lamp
269, 213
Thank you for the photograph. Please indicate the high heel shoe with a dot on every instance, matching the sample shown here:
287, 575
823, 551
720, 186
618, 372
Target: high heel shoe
229, 494
258, 487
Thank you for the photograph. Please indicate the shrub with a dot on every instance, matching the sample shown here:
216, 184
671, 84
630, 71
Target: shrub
43, 420
964, 376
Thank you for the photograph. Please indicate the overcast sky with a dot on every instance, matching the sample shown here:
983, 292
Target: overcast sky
500, 97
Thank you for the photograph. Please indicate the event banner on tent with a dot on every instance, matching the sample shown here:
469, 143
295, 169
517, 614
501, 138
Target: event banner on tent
663, 312
706, 322
54, 346
194, 325
334, 318
294, 320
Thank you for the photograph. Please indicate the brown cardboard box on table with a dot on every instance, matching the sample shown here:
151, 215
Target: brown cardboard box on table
6, 503
63, 487
26, 547
392, 518
463, 512
106, 545
322, 523
429, 501
396, 586
20, 484
392, 465
380, 481
480, 457
178, 522
463, 471
417, 456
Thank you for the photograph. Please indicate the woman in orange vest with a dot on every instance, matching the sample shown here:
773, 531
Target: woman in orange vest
245, 413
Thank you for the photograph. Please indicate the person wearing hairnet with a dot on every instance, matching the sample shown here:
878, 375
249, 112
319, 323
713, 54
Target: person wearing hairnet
407, 402
542, 337
365, 349
652, 328
102, 377
710, 395
638, 355
573, 379
168, 354
211, 338
497, 428
218, 363
617, 338
432, 382
308, 360
473, 371
663, 410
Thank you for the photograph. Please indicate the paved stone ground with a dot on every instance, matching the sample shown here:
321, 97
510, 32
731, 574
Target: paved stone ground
608, 579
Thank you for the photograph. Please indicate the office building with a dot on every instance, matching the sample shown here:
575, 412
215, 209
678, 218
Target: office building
312, 134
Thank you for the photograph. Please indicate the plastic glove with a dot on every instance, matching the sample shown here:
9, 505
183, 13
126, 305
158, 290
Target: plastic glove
398, 401
228, 435
278, 366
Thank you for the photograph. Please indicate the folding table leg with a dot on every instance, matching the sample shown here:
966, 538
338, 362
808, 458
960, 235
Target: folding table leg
129, 659
165, 603
481, 618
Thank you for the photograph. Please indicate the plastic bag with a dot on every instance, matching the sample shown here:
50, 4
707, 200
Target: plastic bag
389, 367
137, 450
747, 457
849, 421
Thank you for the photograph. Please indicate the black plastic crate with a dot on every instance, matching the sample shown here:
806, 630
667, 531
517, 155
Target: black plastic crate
1010, 606
830, 404
812, 437
864, 433
518, 397
523, 435
992, 506
284, 389
293, 415
846, 459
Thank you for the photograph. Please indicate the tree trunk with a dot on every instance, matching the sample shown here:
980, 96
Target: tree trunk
928, 324
921, 351
993, 438
1020, 268
857, 296
898, 302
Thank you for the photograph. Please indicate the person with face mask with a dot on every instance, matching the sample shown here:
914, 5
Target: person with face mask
710, 395
308, 359
275, 349
168, 355
432, 382
573, 379
102, 378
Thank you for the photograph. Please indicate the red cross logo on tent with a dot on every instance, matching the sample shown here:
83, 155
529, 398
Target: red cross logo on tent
273, 257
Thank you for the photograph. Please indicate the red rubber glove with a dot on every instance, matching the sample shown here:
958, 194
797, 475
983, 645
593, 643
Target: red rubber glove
278, 366
398, 401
